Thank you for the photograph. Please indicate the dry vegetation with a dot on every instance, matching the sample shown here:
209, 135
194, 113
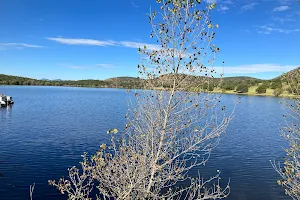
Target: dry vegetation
290, 172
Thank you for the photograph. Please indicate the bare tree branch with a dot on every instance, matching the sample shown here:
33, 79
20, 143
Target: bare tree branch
170, 129
290, 172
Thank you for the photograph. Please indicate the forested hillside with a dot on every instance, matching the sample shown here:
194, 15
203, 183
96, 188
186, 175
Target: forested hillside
120, 82
242, 85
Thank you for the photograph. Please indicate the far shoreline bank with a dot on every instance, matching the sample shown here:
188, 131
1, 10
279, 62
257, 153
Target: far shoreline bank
215, 92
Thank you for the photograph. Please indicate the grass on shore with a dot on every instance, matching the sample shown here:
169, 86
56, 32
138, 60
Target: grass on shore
252, 92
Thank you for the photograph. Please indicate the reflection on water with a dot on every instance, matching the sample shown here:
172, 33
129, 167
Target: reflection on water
8, 107
48, 128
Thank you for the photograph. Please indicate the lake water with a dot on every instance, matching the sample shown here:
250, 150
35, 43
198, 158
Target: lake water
48, 128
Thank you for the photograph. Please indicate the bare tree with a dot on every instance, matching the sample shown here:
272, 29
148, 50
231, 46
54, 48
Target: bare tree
172, 126
290, 173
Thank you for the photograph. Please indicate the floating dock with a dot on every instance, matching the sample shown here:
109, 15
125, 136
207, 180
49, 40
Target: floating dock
5, 100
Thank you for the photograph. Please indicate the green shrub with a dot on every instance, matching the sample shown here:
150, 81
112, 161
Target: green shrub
261, 89
276, 84
228, 86
242, 88
277, 92
267, 84
209, 87
254, 82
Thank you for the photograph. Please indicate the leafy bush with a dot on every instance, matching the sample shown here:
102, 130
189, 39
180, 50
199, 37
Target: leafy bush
261, 89
277, 92
267, 84
228, 86
254, 82
276, 84
209, 87
242, 88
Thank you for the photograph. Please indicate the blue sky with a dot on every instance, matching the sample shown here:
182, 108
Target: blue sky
98, 39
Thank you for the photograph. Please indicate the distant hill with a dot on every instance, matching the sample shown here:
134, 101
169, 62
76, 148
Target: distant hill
292, 72
241, 84
122, 78
119, 82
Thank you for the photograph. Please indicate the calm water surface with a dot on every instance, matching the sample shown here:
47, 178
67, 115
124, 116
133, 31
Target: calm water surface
48, 128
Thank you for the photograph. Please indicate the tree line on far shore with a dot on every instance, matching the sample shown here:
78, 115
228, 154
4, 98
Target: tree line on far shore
241, 84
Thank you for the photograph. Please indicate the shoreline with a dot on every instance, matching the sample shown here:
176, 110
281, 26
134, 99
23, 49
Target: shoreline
216, 92
254, 94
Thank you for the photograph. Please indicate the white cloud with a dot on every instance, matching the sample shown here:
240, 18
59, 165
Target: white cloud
210, 1
223, 8
79, 41
128, 44
92, 42
219, 1
5, 46
132, 2
29, 45
286, 2
89, 67
284, 19
255, 68
281, 8
267, 29
222, 4
227, 1
78, 67
73, 66
107, 66
141, 45
249, 6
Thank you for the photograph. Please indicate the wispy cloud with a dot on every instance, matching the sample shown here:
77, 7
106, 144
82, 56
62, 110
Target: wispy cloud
223, 8
79, 41
249, 6
284, 19
132, 2
228, 2
255, 68
92, 42
139, 44
210, 1
78, 67
281, 8
219, 1
222, 4
107, 66
286, 2
71, 66
88, 67
126, 44
267, 29
5, 46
